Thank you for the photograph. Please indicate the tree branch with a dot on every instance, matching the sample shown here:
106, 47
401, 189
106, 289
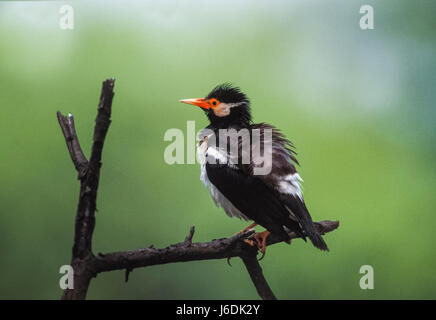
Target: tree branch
88, 173
255, 271
86, 265
185, 251
73, 145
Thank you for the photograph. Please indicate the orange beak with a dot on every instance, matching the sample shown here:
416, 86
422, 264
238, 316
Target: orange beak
201, 102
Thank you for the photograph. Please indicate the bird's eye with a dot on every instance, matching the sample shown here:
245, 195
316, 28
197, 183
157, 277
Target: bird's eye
214, 102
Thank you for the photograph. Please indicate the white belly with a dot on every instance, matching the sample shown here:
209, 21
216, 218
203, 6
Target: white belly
203, 150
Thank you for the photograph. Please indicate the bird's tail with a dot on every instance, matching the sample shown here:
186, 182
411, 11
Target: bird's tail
299, 210
318, 241
312, 233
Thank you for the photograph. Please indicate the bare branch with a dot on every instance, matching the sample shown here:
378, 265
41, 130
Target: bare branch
186, 251
89, 173
182, 252
188, 239
69, 130
256, 275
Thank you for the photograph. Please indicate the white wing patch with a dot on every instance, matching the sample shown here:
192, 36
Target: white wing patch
290, 184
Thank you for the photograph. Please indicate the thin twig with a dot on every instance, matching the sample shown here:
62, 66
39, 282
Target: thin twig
69, 130
188, 239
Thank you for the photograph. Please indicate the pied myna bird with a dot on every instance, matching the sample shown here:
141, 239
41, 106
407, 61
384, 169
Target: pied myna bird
272, 199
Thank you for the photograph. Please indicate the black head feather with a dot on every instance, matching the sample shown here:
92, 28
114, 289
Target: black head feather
228, 94
239, 115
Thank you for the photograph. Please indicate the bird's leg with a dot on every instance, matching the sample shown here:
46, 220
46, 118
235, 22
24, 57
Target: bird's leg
261, 241
251, 226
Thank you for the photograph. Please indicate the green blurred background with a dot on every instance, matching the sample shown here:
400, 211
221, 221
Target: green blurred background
359, 106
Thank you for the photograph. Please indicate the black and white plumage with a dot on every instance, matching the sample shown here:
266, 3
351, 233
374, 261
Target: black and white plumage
272, 199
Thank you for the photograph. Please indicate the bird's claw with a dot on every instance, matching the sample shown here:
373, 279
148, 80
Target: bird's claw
263, 255
250, 243
261, 242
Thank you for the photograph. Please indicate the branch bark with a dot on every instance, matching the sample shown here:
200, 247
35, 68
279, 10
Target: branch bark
86, 265
255, 271
189, 251
88, 174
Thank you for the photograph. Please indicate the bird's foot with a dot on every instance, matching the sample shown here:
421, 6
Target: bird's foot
261, 241
250, 242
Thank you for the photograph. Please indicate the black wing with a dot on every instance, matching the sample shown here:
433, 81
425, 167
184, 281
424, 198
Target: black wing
285, 181
272, 200
253, 198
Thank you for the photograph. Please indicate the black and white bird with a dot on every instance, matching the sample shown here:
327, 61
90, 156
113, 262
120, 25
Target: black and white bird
273, 198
